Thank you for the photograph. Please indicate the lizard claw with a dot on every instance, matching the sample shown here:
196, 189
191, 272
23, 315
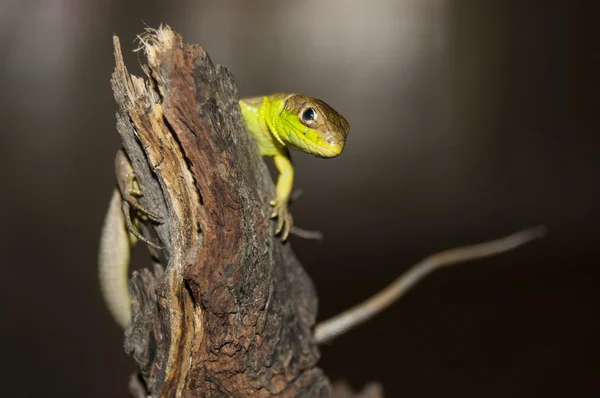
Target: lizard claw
284, 218
132, 228
132, 192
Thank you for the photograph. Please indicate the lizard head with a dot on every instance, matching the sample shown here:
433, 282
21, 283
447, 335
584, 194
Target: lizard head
310, 125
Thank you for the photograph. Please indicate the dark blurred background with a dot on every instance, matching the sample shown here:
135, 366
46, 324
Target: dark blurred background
470, 120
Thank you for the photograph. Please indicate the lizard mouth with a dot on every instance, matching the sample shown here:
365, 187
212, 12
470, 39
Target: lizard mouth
328, 152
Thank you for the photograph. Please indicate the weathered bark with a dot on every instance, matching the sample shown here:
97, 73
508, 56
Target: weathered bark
232, 312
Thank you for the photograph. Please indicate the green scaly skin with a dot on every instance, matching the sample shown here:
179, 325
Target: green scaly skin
278, 122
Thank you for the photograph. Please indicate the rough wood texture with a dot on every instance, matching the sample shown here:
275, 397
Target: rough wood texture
231, 313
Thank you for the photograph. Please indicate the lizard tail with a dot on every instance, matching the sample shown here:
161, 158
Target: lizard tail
113, 260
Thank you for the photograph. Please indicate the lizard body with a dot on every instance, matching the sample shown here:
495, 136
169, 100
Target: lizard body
278, 122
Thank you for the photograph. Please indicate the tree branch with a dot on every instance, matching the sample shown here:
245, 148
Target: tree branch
227, 309
331, 328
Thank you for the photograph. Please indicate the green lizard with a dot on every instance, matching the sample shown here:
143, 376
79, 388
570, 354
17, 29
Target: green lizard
278, 122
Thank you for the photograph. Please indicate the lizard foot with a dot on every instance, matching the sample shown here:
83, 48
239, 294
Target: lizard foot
132, 192
284, 218
130, 195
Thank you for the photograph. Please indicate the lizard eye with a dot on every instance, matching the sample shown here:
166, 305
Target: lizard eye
308, 115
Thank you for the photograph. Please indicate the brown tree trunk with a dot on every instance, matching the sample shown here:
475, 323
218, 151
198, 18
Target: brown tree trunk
232, 312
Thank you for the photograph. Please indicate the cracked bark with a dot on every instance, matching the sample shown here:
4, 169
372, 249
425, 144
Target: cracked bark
232, 312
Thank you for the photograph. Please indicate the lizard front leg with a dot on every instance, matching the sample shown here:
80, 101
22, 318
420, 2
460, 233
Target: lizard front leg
119, 235
283, 190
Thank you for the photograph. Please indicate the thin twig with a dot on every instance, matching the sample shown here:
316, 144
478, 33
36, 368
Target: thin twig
301, 232
341, 323
306, 233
